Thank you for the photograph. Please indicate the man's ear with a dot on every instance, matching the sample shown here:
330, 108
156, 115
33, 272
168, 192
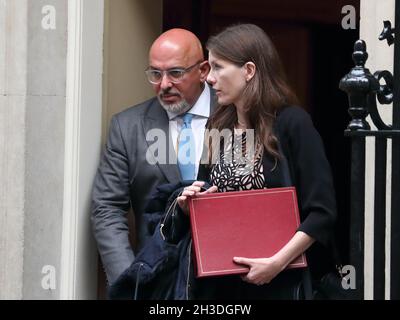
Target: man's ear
204, 70
250, 70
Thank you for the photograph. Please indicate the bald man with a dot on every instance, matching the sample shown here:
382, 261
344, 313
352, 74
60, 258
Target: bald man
127, 175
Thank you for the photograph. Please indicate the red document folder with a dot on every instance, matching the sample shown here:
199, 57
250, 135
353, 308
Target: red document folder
251, 224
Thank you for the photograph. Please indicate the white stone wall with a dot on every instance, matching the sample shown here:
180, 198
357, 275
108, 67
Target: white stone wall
44, 174
13, 97
32, 108
373, 13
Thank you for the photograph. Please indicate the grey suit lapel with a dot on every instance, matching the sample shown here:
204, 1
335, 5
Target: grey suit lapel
157, 118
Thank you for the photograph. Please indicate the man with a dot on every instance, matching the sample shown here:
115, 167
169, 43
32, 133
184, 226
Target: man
127, 174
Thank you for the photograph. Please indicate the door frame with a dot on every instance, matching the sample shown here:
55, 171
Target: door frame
83, 130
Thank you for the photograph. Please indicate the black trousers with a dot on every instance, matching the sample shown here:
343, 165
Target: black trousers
286, 286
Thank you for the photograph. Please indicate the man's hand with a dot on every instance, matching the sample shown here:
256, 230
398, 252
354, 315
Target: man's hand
192, 191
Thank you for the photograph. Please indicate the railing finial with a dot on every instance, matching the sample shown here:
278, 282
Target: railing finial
359, 83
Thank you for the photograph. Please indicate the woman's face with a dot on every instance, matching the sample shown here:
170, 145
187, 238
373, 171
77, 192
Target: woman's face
227, 79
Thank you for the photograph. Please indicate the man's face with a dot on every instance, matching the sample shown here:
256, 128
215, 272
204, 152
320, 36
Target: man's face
176, 97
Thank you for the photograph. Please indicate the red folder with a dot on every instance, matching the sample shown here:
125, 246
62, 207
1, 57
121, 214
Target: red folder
251, 224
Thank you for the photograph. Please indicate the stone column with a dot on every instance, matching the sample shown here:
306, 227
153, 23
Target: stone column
372, 14
44, 157
33, 51
13, 97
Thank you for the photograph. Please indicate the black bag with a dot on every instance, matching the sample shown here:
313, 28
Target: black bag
330, 286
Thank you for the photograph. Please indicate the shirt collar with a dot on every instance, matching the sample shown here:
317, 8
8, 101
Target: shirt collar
201, 107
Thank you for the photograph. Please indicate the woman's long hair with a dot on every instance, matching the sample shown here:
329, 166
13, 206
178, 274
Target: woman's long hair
264, 94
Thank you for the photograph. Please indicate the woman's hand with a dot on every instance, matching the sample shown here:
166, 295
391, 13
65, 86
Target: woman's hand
191, 191
262, 270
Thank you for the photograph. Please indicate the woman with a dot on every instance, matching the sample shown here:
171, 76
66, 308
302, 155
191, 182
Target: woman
253, 93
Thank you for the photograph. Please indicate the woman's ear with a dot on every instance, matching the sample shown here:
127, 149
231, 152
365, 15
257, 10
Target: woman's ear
250, 70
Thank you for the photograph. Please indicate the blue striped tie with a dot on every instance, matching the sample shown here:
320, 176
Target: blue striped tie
187, 149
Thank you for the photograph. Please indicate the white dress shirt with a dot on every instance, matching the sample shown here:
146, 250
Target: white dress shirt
201, 112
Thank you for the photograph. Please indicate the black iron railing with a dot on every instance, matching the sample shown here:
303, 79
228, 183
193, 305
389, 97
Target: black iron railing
363, 90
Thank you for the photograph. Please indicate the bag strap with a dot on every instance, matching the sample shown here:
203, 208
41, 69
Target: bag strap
307, 284
336, 256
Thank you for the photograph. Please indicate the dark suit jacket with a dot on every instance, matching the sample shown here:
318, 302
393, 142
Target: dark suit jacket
126, 178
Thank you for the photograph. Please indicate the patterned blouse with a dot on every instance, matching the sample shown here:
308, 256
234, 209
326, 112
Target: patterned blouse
235, 169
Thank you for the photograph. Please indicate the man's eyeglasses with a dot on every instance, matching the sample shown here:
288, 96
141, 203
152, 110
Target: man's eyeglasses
175, 75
